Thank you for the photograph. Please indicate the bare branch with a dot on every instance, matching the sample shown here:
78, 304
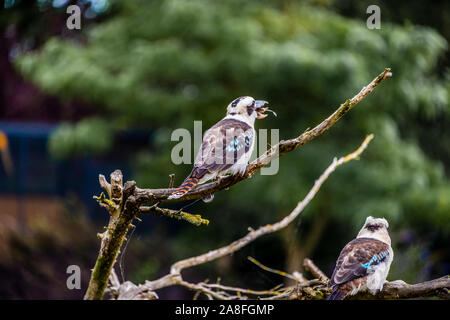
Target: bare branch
153, 195
114, 279
104, 184
281, 273
401, 290
203, 288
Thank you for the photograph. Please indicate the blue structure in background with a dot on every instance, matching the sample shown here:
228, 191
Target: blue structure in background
37, 173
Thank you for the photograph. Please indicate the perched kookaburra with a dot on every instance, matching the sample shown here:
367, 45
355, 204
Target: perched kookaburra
364, 263
227, 146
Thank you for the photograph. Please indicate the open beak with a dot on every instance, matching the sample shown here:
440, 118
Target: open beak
260, 109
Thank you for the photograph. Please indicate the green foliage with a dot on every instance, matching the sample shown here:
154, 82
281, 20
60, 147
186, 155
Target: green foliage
92, 136
164, 64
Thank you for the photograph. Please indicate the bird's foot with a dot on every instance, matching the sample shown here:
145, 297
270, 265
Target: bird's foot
208, 198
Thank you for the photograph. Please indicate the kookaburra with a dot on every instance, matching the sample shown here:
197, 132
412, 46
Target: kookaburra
364, 263
227, 146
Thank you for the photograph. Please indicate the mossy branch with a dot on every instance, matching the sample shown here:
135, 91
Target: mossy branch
176, 214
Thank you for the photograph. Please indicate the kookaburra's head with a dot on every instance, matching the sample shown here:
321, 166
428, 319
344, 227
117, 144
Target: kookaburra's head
376, 228
247, 109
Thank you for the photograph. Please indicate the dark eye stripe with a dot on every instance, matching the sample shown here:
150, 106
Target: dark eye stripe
236, 101
373, 227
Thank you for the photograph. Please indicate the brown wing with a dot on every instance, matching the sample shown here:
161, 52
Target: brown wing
358, 258
223, 145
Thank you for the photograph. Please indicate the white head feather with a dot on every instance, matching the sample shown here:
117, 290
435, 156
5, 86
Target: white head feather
244, 109
376, 228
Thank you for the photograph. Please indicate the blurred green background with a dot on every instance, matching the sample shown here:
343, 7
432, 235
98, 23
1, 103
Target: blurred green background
140, 69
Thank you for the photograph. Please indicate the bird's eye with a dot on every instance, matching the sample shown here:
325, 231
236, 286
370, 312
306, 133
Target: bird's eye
373, 227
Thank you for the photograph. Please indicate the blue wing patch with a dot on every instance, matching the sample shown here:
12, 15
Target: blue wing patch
236, 144
376, 259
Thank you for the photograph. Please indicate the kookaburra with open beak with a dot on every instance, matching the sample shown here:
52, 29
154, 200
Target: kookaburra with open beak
364, 263
227, 146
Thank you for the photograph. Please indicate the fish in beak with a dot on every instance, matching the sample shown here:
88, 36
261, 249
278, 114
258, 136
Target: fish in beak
260, 109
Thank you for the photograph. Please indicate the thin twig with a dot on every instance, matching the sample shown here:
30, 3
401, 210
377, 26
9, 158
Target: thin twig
401, 290
281, 273
176, 214
206, 290
284, 295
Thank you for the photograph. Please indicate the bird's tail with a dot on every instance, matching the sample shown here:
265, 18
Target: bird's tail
337, 294
187, 185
